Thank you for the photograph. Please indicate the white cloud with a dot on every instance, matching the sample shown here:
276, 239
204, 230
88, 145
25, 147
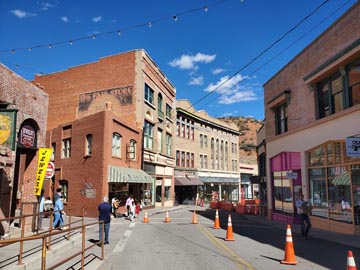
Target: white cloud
189, 61
65, 19
217, 71
196, 80
46, 5
97, 19
231, 91
22, 14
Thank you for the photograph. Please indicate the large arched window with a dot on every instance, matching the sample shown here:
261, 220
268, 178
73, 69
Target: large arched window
116, 145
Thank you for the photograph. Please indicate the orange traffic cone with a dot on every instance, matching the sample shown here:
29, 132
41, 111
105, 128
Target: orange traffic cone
146, 220
229, 231
350, 261
217, 221
167, 218
194, 218
289, 248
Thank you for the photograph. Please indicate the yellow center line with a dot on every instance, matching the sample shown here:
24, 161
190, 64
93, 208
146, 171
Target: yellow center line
229, 253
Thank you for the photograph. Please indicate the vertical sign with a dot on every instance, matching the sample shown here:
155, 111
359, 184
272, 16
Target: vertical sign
43, 160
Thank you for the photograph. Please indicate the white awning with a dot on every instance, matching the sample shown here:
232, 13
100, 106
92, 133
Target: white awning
127, 175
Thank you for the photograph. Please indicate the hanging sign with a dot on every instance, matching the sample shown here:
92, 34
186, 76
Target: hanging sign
353, 146
43, 161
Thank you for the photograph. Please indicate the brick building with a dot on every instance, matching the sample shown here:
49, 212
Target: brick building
207, 158
115, 104
312, 112
23, 116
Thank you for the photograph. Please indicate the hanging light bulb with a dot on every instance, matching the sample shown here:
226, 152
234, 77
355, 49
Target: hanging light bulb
149, 24
175, 18
206, 8
30, 49
71, 42
50, 46
119, 32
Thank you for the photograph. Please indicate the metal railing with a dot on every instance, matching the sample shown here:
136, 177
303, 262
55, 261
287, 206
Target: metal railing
46, 236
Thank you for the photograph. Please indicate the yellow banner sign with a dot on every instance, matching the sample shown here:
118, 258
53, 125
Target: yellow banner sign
43, 160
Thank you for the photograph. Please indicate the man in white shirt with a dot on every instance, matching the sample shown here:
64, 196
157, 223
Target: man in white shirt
303, 210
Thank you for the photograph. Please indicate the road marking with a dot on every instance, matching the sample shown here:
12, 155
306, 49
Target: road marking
229, 253
120, 246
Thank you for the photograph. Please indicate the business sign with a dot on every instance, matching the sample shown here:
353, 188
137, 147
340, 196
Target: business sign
353, 146
27, 136
50, 170
291, 175
8, 128
43, 161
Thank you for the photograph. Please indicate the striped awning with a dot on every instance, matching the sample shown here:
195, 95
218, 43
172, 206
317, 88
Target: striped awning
341, 179
128, 175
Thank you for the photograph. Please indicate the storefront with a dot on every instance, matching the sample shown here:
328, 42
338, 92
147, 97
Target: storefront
334, 184
188, 188
221, 188
124, 181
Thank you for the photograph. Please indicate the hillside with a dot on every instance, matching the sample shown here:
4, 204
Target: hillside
247, 140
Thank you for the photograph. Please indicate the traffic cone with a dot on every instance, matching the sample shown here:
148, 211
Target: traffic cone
289, 248
350, 261
194, 218
146, 220
229, 231
167, 218
217, 221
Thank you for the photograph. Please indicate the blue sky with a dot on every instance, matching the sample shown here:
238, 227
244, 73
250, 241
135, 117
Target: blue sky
218, 54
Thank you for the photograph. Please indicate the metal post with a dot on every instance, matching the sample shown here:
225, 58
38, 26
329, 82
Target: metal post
43, 254
21, 241
82, 247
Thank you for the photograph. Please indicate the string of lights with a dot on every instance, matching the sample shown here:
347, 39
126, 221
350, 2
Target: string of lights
278, 54
116, 31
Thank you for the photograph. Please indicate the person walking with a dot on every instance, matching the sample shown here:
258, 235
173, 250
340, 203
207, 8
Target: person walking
41, 209
104, 209
303, 210
115, 205
58, 210
128, 204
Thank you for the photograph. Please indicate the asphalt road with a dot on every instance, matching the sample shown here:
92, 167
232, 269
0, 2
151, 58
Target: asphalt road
179, 245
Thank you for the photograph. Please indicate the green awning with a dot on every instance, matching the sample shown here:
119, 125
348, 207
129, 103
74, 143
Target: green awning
127, 175
342, 179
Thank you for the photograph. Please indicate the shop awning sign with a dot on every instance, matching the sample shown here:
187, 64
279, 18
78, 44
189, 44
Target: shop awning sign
353, 146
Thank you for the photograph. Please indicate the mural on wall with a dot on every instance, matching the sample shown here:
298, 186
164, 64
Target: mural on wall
122, 94
7, 128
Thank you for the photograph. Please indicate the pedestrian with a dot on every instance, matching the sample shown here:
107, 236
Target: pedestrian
41, 209
128, 203
58, 211
303, 210
115, 205
58, 194
132, 211
105, 216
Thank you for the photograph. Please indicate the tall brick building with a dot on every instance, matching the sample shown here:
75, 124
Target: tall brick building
23, 115
99, 115
312, 112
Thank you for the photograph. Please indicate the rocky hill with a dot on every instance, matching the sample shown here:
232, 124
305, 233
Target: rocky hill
247, 140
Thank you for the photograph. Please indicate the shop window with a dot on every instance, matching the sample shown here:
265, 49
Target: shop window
283, 194
317, 156
318, 192
354, 83
148, 135
65, 186
168, 144
167, 193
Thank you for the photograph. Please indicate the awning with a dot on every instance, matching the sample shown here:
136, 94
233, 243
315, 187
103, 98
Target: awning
223, 180
187, 181
341, 179
127, 175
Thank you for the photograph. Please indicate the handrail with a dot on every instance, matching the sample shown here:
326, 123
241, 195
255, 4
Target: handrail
46, 241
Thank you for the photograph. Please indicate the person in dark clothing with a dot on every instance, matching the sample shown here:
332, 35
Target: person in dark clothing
104, 215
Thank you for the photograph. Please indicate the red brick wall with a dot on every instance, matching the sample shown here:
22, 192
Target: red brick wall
79, 170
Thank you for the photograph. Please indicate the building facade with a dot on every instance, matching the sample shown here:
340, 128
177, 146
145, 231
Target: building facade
23, 116
207, 160
125, 101
312, 111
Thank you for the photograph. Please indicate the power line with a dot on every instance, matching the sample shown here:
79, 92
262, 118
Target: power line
264, 51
